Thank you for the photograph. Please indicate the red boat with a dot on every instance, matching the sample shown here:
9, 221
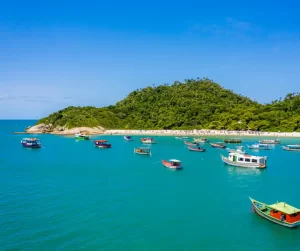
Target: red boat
191, 143
196, 149
102, 144
218, 145
172, 163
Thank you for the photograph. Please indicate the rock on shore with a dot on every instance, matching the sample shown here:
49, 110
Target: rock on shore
61, 130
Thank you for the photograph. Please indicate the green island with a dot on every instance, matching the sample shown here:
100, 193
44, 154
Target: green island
192, 104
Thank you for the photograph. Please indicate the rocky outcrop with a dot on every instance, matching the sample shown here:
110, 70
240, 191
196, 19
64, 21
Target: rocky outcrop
63, 130
40, 128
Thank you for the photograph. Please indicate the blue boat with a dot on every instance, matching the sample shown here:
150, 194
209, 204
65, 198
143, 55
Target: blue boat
31, 143
260, 147
128, 138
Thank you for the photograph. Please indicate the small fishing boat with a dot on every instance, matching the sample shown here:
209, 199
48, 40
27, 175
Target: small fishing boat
196, 149
270, 141
31, 143
142, 151
291, 148
172, 163
218, 145
102, 144
182, 138
128, 138
234, 141
280, 213
80, 136
200, 140
190, 143
148, 141
245, 160
260, 147
239, 149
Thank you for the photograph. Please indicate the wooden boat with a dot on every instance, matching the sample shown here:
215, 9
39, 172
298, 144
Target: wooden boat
280, 213
31, 143
80, 136
196, 149
182, 138
142, 151
239, 149
200, 140
270, 141
260, 147
148, 141
128, 138
190, 143
172, 163
218, 145
234, 141
291, 148
102, 144
245, 160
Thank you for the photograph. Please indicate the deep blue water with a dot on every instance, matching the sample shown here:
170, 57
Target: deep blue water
70, 195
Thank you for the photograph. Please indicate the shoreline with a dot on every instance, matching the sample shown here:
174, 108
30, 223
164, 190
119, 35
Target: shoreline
198, 133
178, 133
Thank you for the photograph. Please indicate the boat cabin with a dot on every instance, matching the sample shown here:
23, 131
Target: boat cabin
102, 143
282, 211
247, 159
175, 162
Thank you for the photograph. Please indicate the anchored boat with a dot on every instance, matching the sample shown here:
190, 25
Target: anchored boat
245, 160
200, 140
172, 163
128, 138
260, 147
280, 213
142, 151
148, 141
234, 141
31, 143
182, 138
218, 145
102, 144
190, 143
196, 149
270, 141
80, 136
291, 148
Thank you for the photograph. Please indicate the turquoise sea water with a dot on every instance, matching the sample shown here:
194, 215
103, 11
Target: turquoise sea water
70, 195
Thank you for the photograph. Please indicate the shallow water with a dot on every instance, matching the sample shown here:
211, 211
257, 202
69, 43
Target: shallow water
70, 195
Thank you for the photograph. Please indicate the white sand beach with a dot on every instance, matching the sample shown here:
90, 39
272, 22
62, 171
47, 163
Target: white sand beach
202, 133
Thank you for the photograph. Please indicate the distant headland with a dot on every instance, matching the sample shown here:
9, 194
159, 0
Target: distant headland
194, 104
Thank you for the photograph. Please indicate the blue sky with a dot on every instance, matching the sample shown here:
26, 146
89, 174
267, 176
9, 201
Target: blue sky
59, 53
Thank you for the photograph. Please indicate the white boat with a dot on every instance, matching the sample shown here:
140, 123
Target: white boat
200, 140
182, 138
291, 148
270, 141
239, 149
148, 141
260, 147
245, 160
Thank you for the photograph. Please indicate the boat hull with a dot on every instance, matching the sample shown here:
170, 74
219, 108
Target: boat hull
247, 165
217, 146
270, 218
31, 146
103, 146
168, 165
291, 149
196, 149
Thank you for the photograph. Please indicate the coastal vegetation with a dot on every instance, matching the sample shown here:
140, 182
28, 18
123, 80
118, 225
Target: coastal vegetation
192, 104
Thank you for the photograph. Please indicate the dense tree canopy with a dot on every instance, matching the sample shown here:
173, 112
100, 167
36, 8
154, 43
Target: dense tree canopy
194, 104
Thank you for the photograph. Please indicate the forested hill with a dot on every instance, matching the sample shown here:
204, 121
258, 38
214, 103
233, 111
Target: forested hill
194, 104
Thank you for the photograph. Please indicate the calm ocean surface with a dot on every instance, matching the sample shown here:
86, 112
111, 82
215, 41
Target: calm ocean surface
70, 195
